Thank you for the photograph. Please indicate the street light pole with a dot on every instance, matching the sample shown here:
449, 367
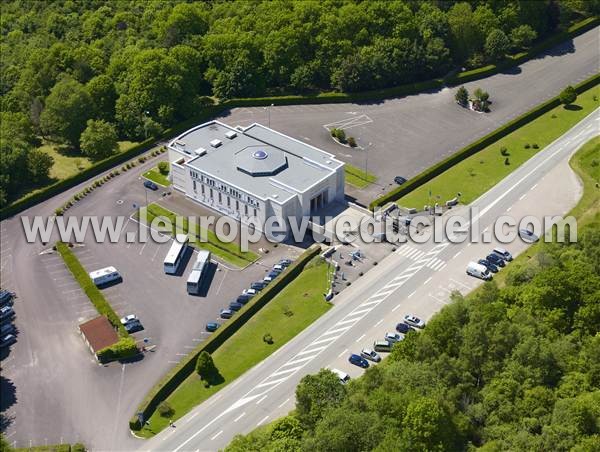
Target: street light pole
367, 161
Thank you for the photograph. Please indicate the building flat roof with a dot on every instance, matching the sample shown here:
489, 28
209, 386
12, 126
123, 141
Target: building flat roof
99, 333
258, 160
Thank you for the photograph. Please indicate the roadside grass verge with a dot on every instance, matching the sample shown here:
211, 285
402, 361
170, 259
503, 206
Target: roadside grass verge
156, 176
87, 285
286, 315
478, 173
78, 447
586, 163
358, 177
203, 238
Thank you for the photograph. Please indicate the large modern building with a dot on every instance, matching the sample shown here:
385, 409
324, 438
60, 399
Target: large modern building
254, 172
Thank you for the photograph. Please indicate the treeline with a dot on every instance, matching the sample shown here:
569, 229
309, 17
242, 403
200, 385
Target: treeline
515, 368
133, 68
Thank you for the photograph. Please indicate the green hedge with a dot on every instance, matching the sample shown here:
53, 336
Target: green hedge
475, 147
125, 348
90, 289
185, 367
77, 447
214, 110
520, 58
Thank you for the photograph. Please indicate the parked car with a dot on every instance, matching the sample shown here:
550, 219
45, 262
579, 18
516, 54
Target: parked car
128, 318
243, 299
6, 298
382, 346
6, 312
399, 180
412, 320
7, 328
151, 185
7, 340
226, 313
212, 326
134, 326
528, 236
250, 292
503, 254
371, 355
495, 259
393, 337
358, 360
478, 271
258, 285
235, 306
273, 274
278, 267
285, 262
404, 328
343, 376
487, 264
267, 279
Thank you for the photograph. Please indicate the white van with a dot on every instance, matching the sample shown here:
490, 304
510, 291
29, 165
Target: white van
478, 271
105, 275
343, 376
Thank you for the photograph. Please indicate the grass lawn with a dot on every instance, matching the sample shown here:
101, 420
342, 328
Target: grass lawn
286, 315
477, 174
587, 209
66, 165
357, 177
156, 176
229, 252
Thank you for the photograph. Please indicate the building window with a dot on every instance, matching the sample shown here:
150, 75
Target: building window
255, 213
228, 201
194, 182
245, 210
237, 205
220, 198
202, 188
211, 193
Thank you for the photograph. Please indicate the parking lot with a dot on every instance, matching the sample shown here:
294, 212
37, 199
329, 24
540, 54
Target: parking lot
406, 135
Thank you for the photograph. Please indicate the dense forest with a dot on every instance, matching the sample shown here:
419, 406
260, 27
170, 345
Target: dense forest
127, 69
515, 368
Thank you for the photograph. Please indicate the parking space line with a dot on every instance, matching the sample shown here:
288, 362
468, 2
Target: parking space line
341, 354
284, 402
239, 417
216, 436
461, 284
397, 306
262, 398
427, 280
360, 338
379, 323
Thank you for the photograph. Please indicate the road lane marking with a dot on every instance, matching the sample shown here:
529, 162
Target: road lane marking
293, 369
284, 402
216, 436
427, 280
411, 294
379, 323
346, 328
522, 196
397, 306
296, 361
457, 254
312, 350
263, 398
360, 338
533, 187
340, 355
262, 421
239, 417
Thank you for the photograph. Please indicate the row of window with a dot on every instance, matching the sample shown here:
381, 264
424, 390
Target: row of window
224, 188
228, 199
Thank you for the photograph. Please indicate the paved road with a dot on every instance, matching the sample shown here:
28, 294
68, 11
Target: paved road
412, 133
416, 279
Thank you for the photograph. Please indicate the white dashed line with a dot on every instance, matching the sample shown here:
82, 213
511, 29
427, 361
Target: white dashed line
262, 421
427, 280
456, 255
360, 338
284, 402
397, 306
411, 294
216, 436
340, 355
239, 417
521, 197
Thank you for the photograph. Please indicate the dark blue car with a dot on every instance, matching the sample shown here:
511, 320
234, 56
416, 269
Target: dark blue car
358, 360
151, 185
404, 328
243, 299
487, 264
235, 306
495, 260
212, 326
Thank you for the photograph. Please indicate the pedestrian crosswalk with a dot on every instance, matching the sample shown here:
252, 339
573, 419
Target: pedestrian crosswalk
413, 253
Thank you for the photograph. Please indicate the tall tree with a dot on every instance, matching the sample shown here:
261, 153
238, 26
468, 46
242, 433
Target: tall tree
68, 107
99, 139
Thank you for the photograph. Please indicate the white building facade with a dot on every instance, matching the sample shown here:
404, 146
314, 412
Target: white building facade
254, 173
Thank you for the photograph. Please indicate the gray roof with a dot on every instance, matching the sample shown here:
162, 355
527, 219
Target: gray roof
259, 160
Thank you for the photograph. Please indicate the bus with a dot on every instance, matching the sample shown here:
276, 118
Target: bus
194, 281
175, 254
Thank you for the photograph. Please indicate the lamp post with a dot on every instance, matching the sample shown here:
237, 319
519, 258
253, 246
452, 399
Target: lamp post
269, 114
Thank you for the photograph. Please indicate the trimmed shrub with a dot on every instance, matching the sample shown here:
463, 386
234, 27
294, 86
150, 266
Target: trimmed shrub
527, 146
504, 151
163, 167
351, 142
58, 212
165, 409
535, 146
267, 338
125, 348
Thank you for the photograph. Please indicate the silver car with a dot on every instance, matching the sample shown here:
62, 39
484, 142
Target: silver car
413, 320
393, 337
371, 355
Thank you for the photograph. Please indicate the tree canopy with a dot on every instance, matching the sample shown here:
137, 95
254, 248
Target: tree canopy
511, 368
